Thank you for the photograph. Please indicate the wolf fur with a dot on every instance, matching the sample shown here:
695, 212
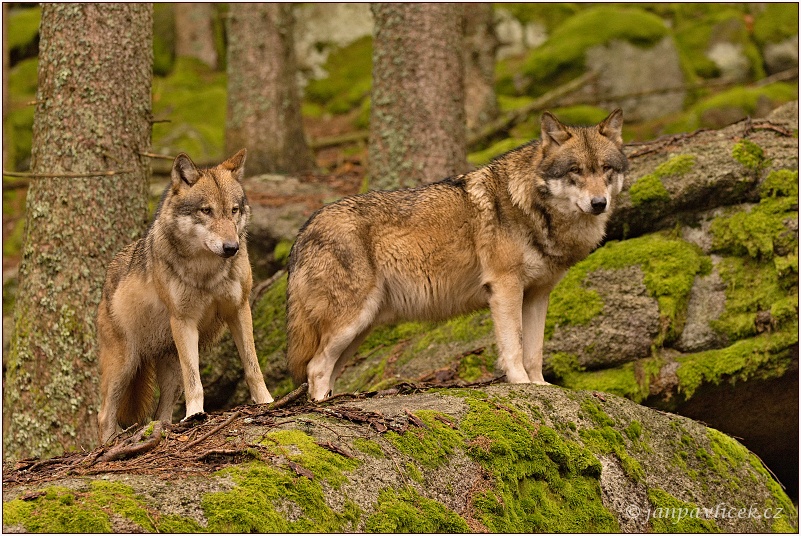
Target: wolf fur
171, 292
502, 235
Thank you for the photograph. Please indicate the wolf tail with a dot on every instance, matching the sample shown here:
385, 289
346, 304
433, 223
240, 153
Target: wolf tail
137, 404
302, 341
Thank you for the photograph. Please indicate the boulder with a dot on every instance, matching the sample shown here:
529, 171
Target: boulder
492, 459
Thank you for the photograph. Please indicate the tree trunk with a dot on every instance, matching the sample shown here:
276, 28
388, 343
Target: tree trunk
195, 32
417, 117
480, 44
263, 103
92, 118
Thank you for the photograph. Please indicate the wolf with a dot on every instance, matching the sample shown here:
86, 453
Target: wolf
502, 235
170, 293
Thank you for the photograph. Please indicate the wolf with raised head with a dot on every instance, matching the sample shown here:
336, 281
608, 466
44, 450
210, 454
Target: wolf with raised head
502, 235
170, 293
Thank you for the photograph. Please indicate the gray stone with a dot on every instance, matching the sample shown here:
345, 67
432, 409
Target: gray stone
625, 70
782, 55
707, 303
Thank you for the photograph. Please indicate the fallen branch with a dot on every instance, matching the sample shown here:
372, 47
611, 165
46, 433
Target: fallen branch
135, 446
64, 175
519, 115
214, 430
289, 398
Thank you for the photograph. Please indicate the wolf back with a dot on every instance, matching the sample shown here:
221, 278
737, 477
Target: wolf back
502, 235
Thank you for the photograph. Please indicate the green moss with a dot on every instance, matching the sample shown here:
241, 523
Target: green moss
748, 154
260, 500
349, 78
369, 447
596, 414
406, 511
550, 15
193, 98
269, 323
56, 511
479, 158
281, 251
634, 430
630, 380
776, 22
670, 515
325, 465
698, 27
23, 26
780, 183
432, 445
561, 57
542, 482
669, 267
648, 189
476, 366
64, 510
767, 356
606, 440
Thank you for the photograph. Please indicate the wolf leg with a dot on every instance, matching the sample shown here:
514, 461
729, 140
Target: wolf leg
114, 381
506, 304
185, 334
346, 355
241, 326
535, 306
322, 368
168, 374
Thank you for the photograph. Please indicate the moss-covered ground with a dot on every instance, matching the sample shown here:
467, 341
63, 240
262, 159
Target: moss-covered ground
533, 455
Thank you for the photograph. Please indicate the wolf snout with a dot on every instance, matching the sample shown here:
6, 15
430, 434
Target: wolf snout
598, 204
229, 249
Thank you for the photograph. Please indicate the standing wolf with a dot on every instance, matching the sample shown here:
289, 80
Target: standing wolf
501, 235
170, 292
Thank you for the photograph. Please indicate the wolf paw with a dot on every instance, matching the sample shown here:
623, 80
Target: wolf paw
195, 417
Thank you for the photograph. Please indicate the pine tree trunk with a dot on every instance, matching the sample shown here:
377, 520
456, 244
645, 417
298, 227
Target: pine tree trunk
263, 103
417, 117
194, 32
480, 44
92, 117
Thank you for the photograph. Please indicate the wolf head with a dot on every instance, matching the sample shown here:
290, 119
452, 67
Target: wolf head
582, 167
208, 206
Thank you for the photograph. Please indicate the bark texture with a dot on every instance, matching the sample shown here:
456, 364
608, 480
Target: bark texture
263, 103
93, 116
194, 32
417, 117
480, 45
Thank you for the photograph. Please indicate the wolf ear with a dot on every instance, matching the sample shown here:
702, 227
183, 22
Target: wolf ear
236, 164
183, 171
553, 131
612, 127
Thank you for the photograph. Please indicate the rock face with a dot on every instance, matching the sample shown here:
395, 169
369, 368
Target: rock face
626, 69
497, 459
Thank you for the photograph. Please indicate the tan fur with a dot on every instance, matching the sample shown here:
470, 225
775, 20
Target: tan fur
502, 235
171, 292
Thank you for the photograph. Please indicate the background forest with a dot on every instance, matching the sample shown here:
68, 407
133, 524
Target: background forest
691, 307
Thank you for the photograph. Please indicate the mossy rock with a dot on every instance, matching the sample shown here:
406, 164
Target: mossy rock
561, 57
508, 459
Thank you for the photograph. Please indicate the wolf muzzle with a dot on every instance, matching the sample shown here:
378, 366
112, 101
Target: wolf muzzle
598, 205
229, 249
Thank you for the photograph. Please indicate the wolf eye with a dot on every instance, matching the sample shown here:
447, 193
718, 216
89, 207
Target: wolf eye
574, 169
234, 210
205, 210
